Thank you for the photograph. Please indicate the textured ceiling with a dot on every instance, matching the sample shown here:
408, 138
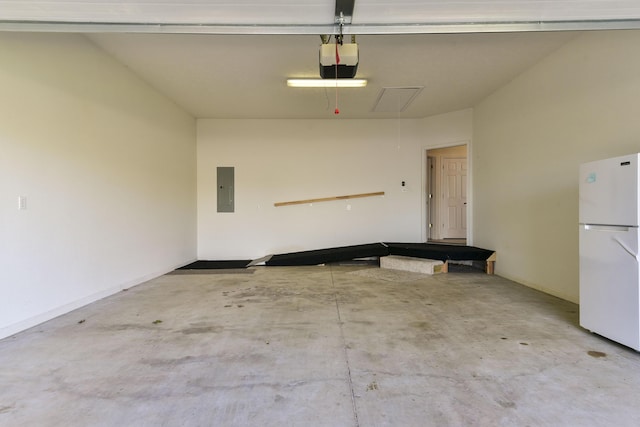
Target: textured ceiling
231, 59
232, 76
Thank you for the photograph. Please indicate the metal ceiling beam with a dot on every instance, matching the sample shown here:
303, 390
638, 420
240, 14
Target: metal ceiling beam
344, 9
357, 29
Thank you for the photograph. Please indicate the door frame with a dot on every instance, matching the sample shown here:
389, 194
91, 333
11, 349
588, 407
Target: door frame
431, 214
425, 187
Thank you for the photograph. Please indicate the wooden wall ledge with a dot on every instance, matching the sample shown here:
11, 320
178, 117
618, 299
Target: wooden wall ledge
329, 199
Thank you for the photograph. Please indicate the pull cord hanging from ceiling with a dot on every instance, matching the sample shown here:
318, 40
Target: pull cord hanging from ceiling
338, 42
337, 110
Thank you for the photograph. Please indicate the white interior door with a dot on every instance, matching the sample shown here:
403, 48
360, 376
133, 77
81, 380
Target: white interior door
454, 197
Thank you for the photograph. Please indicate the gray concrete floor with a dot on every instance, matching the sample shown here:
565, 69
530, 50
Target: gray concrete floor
319, 346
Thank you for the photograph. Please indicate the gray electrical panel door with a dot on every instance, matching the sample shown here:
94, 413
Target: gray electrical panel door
225, 189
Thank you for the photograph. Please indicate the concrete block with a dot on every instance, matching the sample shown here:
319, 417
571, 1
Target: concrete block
416, 265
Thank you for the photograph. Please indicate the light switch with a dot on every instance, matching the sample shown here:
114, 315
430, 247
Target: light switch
22, 203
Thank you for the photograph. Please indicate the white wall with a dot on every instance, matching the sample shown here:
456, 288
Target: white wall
107, 166
288, 160
581, 103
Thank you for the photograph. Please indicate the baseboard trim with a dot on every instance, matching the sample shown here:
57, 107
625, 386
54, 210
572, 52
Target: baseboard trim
25, 324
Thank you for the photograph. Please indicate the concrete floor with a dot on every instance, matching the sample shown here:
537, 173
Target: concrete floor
319, 346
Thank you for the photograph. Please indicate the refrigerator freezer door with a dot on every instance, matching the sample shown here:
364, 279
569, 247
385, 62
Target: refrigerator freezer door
609, 191
610, 283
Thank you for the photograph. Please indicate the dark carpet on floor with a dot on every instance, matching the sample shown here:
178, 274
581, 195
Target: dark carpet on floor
216, 265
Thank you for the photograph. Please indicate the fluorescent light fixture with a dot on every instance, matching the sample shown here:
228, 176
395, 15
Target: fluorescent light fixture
326, 82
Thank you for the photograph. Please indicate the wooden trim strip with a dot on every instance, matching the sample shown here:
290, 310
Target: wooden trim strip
329, 199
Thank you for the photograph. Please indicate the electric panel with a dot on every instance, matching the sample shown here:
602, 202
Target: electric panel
225, 185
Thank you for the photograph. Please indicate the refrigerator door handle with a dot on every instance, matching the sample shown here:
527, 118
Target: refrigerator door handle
626, 248
614, 228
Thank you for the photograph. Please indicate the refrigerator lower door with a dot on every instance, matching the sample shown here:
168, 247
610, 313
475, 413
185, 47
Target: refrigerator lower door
610, 283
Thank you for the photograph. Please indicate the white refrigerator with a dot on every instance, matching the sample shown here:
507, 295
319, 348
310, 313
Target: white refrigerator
609, 259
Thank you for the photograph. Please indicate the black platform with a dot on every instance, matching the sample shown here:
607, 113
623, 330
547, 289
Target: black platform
433, 251
325, 256
438, 252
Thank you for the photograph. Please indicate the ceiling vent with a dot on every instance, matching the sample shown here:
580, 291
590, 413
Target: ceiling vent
396, 99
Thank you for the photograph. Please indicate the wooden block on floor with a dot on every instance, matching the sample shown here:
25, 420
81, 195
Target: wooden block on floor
415, 265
